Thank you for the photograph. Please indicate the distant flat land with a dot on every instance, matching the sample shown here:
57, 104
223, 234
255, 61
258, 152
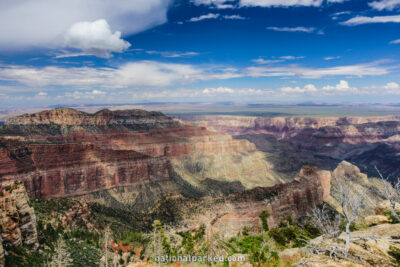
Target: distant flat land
237, 109
286, 110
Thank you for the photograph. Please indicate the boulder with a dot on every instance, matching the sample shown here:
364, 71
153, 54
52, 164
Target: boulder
385, 205
376, 220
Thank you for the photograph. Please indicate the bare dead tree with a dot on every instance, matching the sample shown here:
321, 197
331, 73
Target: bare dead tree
106, 239
327, 222
392, 195
351, 202
61, 256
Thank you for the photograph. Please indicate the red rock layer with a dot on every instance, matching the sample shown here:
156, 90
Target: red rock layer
64, 170
296, 198
65, 152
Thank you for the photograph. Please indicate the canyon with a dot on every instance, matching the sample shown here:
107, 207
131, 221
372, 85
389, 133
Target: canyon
219, 171
125, 159
363, 141
131, 158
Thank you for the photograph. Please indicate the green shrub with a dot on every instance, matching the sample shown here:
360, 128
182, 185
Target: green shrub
353, 226
289, 219
23, 256
395, 253
389, 214
263, 217
312, 230
278, 236
282, 224
18, 182
255, 247
246, 231
289, 234
82, 254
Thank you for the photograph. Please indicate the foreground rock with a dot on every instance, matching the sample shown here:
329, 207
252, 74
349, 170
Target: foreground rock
229, 215
376, 220
18, 220
368, 248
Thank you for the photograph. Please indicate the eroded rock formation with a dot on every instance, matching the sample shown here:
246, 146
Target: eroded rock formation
364, 141
297, 198
68, 153
354, 129
17, 219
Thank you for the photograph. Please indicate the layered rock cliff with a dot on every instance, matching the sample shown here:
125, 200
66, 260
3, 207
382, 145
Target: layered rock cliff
286, 127
17, 220
230, 214
364, 141
136, 155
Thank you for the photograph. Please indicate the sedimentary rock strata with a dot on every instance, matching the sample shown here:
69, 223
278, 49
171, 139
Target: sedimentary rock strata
66, 153
18, 220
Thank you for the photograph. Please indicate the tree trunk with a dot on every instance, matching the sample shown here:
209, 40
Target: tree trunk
347, 236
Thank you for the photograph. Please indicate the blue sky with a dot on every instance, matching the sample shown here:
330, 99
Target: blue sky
129, 51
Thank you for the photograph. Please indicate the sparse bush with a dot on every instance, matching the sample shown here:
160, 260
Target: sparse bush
255, 246
395, 253
292, 235
23, 256
18, 182
391, 217
246, 230
312, 230
263, 217
353, 226
195, 163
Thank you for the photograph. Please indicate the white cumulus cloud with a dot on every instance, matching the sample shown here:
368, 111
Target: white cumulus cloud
309, 88
385, 4
341, 88
218, 90
395, 41
392, 85
94, 38
26, 23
